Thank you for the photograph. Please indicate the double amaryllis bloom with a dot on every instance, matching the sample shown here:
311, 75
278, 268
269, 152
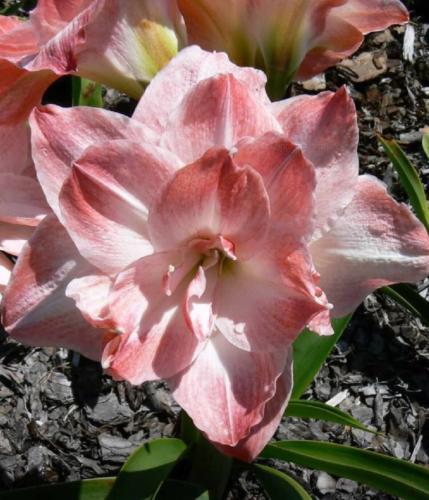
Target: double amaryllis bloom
195, 240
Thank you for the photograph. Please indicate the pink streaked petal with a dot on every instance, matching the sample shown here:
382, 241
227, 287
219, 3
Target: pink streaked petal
13, 237
22, 200
217, 112
35, 308
59, 137
17, 38
372, 15
140, 289
20, 91
162, 351
190, 66
225, 389
263, 304
209, 198
376, 242
91, 295
289, 180
15, 148
105, 202
325, 127
251, 446
321, 324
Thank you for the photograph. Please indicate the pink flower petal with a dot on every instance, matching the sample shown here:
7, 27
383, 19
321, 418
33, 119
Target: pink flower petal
289, 180
263, 304
251, 446
15, 148
217, 112
6, 266
91, 295
376, 242
209, 198
225, 389
59, 137
315, 123
156, 342
105, 202
22, 200
35, 308
192, 65
13, 237
17, 38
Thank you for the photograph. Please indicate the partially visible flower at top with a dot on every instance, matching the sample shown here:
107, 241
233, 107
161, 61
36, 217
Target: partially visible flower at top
119, 43
198, 238
287, 38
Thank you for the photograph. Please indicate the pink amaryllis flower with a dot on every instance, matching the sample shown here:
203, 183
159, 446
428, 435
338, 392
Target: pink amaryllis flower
287, 38
186, 237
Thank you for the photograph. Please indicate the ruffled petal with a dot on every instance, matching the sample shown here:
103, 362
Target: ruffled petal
60, 135
190, 66
376, 242
209, 198
225, 389
251, 446
6, 266
13, 237
35, 308
105, 202
217, 112
325, 127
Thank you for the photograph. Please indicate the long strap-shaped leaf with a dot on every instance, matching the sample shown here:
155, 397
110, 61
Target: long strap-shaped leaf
396, 477
408, 297
146, 469
310, 352
409, 179
89, 489
425, 143
278, 485
320, 411
181, 490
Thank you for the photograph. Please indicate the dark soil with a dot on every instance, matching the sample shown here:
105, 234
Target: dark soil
62, 420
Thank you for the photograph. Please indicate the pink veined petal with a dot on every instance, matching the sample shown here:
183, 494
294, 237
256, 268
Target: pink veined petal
17, 38
376, 242
209, 198
15, 148
217, 112
225, 389
22, 200
59, 137
91, 295
251, 446
105, 202
156, 342
35, 308
6, 266
20, 91
192, 65
325, 127
289, 180
372, 15
263, 304
13, 237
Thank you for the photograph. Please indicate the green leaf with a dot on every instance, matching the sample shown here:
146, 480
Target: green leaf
181, 490
408, 297
409, 179
278, 485
321, 411
310, 352
86, 93
425, 143
89, 489
145, 470
396, 477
